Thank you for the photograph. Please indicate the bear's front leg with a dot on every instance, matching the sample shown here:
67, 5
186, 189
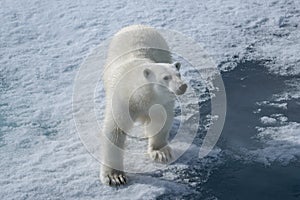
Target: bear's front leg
161, 154
112, 177
158, 148
112, 164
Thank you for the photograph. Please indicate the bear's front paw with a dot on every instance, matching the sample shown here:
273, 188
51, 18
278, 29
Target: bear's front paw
113, 178
163, 155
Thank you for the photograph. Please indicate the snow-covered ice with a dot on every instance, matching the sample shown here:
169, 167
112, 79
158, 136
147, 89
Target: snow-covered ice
42, 45
268, 120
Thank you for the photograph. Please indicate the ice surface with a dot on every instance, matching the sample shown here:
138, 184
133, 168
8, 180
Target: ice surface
282, 143
279, 134
43, 43
267, 120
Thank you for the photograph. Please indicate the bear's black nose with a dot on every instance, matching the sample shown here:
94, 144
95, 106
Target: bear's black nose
183, 87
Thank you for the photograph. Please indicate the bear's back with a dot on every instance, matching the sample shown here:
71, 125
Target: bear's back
138, 41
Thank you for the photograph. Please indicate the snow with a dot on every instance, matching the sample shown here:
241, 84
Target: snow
42, 45
274, 119
281, 144
267, 120
273, 104
279, 135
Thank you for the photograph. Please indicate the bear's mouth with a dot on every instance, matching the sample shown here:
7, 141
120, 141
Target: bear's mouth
179, 92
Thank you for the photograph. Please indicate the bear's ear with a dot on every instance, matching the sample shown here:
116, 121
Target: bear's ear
147, 73
177, 65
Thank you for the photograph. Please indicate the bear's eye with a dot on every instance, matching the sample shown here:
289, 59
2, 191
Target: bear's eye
166, 78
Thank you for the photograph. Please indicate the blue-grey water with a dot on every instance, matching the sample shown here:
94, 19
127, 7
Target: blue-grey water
236, 178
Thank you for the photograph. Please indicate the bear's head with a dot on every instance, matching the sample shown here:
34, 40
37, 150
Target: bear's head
166, 77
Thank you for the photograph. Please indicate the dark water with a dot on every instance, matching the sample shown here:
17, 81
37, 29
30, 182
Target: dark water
247, 84
243, 179
235, 180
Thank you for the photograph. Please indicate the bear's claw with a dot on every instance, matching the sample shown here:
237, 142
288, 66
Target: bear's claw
115, 179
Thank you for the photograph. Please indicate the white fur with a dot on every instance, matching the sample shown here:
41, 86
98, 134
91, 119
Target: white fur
137, 65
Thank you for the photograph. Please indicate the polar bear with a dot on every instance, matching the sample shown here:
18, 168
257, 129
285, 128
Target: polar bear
139, 79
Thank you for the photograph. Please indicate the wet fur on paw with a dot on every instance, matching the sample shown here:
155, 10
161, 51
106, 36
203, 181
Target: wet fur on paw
163, 155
